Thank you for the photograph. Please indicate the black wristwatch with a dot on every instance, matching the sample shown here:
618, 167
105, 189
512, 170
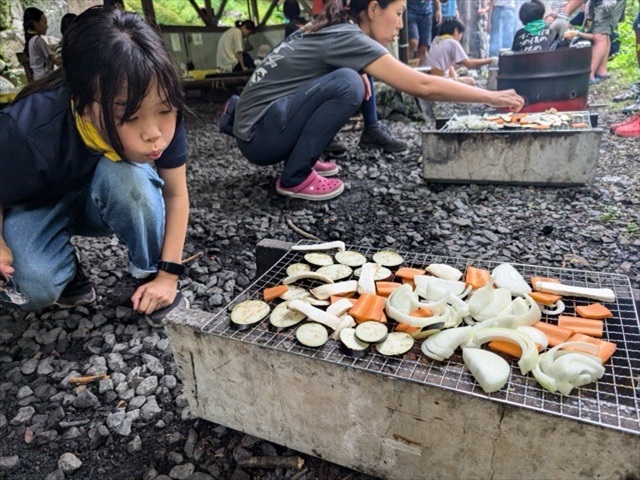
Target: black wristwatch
172, 268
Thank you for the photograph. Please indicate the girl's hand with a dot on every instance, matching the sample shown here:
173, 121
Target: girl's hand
507, 98
367, 86
6, 259
156, 294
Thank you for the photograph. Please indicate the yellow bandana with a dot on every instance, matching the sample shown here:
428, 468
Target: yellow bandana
92, 138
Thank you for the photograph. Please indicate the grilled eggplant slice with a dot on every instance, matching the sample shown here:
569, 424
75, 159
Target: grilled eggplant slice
248, 313
282, 318
388, 258
396, 343
312, 334
297, 268
350, 258
319, 259
335, 272
372, 332
352, 345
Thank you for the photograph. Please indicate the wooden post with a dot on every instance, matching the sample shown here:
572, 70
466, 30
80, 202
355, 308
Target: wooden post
274, 4
201, 14
149, 13
220, 10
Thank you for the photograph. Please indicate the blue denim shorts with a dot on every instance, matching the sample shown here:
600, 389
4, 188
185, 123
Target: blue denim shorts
636, 24
419, 27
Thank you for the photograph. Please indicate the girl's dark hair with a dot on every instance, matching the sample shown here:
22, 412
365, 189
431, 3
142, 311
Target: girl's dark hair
106, 52
248, 24
341, 11
449, 25
31, 14
531, 11
66, 21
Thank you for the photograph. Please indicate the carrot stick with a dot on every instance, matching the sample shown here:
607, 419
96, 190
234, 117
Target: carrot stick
409, 281
607, 349
368, 307
405, 327
272, 293
508, 348
544, 298
587, 326
476, 277
554, 333
384, 289
594, 311
336, 298
421, 313
409, 273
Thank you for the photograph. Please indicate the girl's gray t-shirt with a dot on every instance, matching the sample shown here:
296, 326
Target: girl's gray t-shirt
297, 60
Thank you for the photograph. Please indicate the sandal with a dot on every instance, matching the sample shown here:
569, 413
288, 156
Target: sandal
631, 129
314, 187
326, 169
629, 120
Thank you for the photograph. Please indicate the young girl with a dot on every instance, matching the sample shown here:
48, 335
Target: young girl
77, 159
230, 54
41, 57
306, 89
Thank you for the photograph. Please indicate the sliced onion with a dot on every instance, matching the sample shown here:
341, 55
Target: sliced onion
559, 308
508, 277
425, 283
538, 336
525, 309
491, 371
529, 358
442, 345
563, 370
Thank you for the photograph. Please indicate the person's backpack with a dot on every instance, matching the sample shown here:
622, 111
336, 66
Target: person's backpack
228, 113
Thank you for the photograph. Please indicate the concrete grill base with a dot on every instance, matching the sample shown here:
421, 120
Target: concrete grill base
558, 158
383, 426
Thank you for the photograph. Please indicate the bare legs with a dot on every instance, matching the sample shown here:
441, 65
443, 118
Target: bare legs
600, 54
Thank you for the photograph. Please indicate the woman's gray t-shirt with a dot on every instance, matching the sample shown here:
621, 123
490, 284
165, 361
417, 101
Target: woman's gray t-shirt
297, 60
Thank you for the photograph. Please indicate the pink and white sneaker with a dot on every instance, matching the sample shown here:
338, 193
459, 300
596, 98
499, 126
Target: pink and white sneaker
314, 188
326, 169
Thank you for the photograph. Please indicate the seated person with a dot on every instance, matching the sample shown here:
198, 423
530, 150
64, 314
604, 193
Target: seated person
446, 52
231, 55
535, 36
294, 25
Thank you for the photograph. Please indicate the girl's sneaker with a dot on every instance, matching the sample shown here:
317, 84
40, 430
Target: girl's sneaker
631, 129
629, 120
326, 169
314, 188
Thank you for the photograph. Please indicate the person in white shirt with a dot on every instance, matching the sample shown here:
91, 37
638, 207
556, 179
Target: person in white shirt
41, 58
446, 53
231, 55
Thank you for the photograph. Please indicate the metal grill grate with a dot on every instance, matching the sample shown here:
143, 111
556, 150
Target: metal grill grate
612, 402
578, 117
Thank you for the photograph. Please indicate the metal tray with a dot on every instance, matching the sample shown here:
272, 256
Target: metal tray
612, 402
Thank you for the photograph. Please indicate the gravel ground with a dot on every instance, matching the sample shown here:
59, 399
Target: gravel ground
136, 422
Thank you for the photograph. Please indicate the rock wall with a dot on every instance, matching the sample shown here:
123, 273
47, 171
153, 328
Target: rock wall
13, 39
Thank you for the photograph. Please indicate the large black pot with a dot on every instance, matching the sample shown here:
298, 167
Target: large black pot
558, 79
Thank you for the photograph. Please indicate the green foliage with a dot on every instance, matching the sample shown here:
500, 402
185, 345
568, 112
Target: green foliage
610, 214
633, 227
5, 14
182, 13
625, 62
